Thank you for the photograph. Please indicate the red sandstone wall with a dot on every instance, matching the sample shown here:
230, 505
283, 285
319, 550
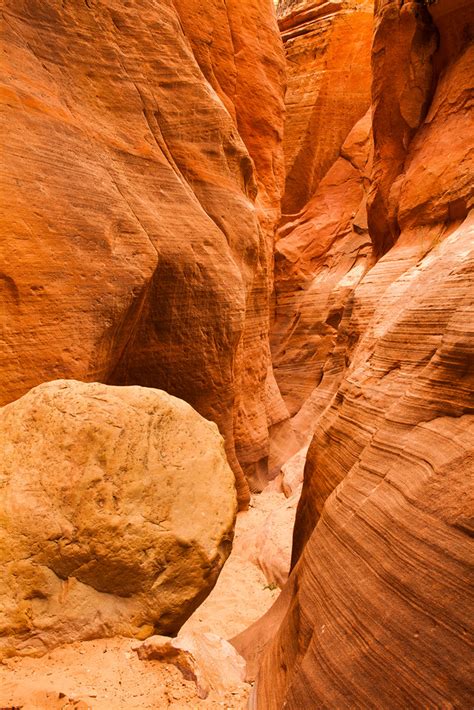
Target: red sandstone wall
131, 196
376, 611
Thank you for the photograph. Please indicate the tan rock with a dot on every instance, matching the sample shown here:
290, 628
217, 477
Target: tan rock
209, 660
117, 508
293, 472
271, 545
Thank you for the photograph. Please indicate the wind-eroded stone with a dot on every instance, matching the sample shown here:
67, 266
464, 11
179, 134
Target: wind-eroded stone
377, 609
209, 660
327, 45
129, 218
117, 508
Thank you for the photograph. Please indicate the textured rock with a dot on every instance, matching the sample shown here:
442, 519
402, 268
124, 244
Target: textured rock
133, 252
319, 260
209, 660
327, 44
377, 613
292, 472
272, 542
97, 485
328, 163
405, 39
376, 609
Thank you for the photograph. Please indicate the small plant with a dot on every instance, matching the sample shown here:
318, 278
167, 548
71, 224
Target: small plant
272, 586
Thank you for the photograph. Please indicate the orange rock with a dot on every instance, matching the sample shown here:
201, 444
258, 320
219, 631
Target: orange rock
319, 260
381, 594
405, 40
132, 249
247, 70
376, 609
328, 51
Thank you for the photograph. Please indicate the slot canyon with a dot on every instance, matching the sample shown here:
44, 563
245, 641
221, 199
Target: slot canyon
237, 354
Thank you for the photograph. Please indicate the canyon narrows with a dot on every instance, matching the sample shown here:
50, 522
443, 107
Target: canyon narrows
265, 212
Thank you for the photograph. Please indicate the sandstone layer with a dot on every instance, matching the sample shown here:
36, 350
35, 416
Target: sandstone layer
327, 45
377, 609
136, 218
323, 248
97, 539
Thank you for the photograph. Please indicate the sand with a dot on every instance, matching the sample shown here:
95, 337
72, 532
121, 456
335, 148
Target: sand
106, 674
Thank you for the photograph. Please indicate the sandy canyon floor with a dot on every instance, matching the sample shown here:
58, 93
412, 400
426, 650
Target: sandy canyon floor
106, 673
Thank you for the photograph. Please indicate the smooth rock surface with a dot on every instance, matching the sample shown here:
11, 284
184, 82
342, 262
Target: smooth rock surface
271, 547
376, 612
135, 248
97, 539
327, 46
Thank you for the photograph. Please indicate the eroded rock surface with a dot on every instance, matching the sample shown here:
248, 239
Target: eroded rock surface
376, 609
322, 247
320, 258
135, 246
117, 507
209, 660
327, 45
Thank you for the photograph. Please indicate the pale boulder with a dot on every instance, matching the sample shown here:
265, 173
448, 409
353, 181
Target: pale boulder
209, 660
97, 487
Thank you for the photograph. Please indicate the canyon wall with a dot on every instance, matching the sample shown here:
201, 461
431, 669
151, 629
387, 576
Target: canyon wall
376, 610
138, 204
143, 173
322, 247
327, 45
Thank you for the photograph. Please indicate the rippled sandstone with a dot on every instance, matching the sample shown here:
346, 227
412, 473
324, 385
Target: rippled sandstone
376, 610
135, 244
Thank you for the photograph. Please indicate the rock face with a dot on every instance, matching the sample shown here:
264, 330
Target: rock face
96, 488
323, 248
376, 609
133, 251
319, 259
327, 45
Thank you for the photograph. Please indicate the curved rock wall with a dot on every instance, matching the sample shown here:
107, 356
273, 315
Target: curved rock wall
322, 252
327, 45
133, 252
376, 610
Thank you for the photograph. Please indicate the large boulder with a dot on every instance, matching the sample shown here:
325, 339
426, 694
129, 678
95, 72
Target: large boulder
117, 508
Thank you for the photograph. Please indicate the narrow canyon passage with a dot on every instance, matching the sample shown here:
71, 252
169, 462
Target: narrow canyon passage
236, 362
